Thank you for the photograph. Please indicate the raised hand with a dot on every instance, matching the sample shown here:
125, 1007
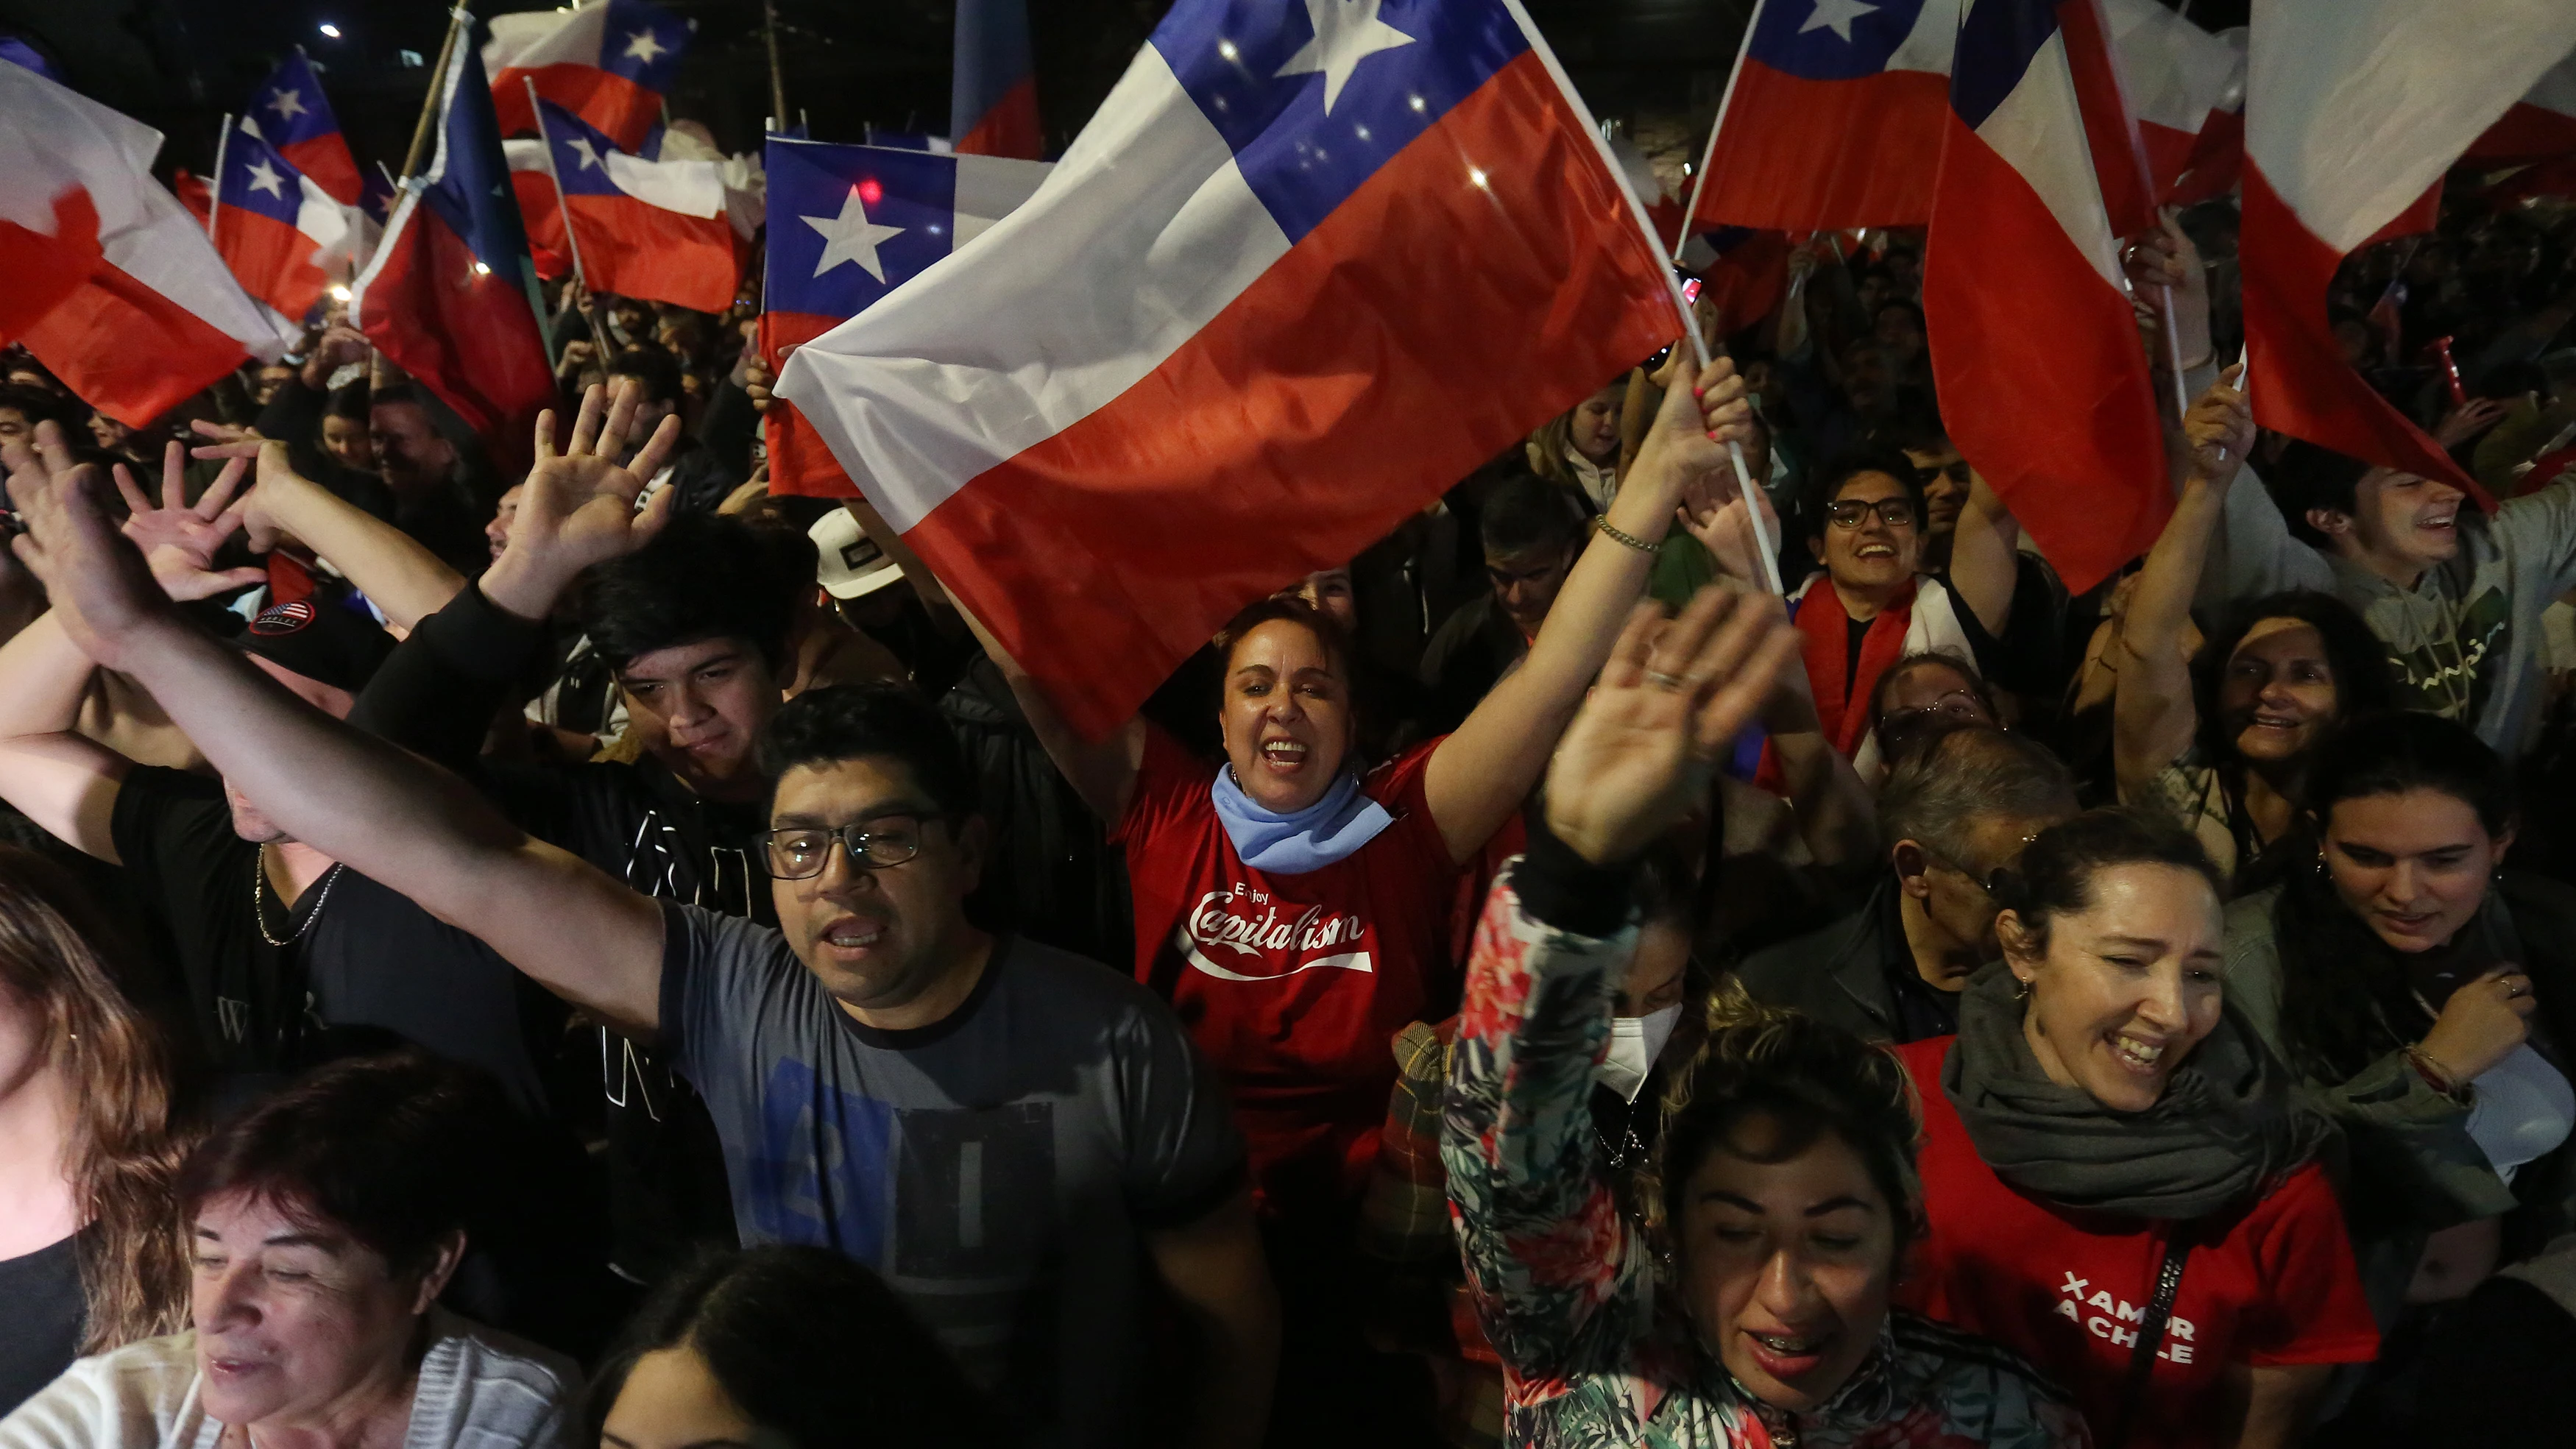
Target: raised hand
1714, 511
261, 507
1645, 744
340, 345
2470, 419
1703, 411
180, 541
578, 507
2481, 1024
100, 588
2220, 428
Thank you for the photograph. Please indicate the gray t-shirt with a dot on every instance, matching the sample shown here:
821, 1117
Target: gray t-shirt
998, 1169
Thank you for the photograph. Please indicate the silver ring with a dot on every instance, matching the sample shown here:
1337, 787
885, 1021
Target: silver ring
2511, 990
1660, 680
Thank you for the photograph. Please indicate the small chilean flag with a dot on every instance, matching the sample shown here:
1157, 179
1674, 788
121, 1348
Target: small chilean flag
2035, 350
609, 62
111, 283
1744, 274
2185, 86
649, 229
1833, 118
993, 96
272, 223
847, 225
2538, 127
1308, 266
449, 294
296, 120
2330, 165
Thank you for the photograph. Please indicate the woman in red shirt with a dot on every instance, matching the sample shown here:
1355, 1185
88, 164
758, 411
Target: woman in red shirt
2118, 1181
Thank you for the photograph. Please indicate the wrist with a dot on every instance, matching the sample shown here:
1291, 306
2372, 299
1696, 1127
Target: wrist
521, 587
2443, 1080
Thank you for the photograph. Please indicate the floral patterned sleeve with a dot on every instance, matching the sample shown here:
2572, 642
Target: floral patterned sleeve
1562, 1284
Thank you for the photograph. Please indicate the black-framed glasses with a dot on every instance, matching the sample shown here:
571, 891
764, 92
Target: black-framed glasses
1853, 512
801, 852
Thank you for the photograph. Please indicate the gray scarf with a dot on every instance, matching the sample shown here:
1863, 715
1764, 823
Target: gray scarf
2224, 1133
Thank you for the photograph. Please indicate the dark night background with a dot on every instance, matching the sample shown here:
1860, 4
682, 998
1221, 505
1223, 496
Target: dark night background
179, 64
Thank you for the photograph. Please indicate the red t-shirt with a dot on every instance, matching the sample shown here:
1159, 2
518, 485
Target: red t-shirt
2067, 1289
1293, 984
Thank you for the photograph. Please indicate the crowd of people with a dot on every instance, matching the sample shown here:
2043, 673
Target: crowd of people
606, 952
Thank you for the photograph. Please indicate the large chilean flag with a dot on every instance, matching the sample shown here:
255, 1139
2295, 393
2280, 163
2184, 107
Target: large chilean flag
609, 62
1833, 118
2035, 350
272, 223
1307, 267
449, 295
993, 91
2330, 161
649, 229
109, 280
847, 225
293, 114
2185, 86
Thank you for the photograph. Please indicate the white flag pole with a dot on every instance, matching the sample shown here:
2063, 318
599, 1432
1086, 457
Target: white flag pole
563, 212
215, 193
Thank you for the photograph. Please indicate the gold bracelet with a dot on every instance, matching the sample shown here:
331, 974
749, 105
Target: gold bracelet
1630, 539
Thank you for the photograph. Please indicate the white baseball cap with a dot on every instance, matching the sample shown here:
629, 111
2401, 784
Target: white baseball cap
852, 566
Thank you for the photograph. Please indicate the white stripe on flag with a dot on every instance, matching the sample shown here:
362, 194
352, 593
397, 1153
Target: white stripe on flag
1932, 42
691, 188
1142, 234
2039, 131
990, 188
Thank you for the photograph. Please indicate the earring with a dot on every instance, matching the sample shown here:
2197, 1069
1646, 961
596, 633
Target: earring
2021, 988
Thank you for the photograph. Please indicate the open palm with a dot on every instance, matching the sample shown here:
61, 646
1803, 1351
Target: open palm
179, 540
579, 506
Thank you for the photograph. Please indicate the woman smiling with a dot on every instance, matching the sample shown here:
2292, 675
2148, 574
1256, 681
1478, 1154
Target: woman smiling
2118, 1181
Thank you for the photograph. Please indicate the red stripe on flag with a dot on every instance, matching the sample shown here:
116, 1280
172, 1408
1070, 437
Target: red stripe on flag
2300, 383
120, 346
326, 159
800, 465
1804, 155
544, 223
1259, 450
1009, 129
636, 249
2119, 157
2038, 368
470, 338
2525, 133
2217, 161
273, 261
608, 101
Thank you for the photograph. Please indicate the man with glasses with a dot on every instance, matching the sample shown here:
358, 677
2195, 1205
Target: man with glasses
1013, 1137
1955, 811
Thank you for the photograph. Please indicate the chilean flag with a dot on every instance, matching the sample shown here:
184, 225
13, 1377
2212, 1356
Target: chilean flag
1833, 118
1308, 266
1744, 274
2330, 164
993, 95
609, 62
847, 225
297, 120
649, 229
2538, 127
2185, 86
111, 283
449, 294
2035, 350
272, 223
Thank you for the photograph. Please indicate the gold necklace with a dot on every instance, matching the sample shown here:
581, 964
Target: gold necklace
259, 899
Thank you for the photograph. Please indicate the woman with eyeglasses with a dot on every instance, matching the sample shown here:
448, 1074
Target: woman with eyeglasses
2221, 741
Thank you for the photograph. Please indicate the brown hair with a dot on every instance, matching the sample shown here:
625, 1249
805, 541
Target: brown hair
55, 957
1290, 609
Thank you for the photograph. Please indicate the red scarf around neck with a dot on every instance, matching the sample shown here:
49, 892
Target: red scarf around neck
1825, 625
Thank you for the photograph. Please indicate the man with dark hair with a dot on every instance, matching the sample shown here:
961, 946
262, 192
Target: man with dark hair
1953, 812
22, 407
1013, 1137
1532, 533
699, 478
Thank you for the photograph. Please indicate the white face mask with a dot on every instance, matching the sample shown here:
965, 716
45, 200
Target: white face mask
1635, 1042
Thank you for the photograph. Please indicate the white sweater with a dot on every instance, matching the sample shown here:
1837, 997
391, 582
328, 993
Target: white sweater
479, 1389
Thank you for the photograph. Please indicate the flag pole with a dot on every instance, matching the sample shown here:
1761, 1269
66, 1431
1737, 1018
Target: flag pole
1699, 179
777, 76
2173, 353
457, 19
215, 193
563, 209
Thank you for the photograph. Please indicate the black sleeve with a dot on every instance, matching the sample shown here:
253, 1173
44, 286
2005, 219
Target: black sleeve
728, 426
294, 417
1562, 889
438, 691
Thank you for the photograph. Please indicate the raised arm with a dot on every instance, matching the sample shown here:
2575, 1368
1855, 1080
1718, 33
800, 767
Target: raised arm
1561, 1280
361, 801
2153, 716
1984, 562
398, 575
1836, 816
1478, 776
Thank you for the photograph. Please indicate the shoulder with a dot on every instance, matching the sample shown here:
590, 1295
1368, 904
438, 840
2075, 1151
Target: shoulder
132, 1395
490, 1380
1079, 994
1401, 776
1978, 1388
1797, 961
2248, 922
1922, 1061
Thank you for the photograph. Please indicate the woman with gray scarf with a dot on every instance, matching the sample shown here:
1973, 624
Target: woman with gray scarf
2118, 1180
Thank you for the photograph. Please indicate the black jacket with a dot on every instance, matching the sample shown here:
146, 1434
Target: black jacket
1849, 974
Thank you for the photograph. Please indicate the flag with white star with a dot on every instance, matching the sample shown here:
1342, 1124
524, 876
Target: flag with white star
650, 229
1311, 263
609, 62
273, 225
295, 117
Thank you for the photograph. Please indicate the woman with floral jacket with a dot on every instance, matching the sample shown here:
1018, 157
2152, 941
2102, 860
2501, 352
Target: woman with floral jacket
1787, 1191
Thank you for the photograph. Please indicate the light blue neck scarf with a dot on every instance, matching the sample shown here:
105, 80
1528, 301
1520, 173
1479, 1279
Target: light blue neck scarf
1324, 832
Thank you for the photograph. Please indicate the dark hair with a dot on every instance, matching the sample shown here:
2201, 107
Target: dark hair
813, 1348
1905, 302
704, 576
882, 720
2341, 985
2362, 678
2307, 476
389, 1148
38, 405
350, 402
1291, 609
401, 392
1527, 512
2056, 871
1810, 1079
1915, 430
652, 367
1830, 481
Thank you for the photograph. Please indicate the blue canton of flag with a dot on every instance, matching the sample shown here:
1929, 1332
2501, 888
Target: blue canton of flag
290, 107
1314, 99
848, 224
643, 43
472, 193
1832, 39
581, 152
258, 179
1997, 40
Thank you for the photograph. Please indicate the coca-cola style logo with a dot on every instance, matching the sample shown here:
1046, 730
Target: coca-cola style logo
1266, 939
